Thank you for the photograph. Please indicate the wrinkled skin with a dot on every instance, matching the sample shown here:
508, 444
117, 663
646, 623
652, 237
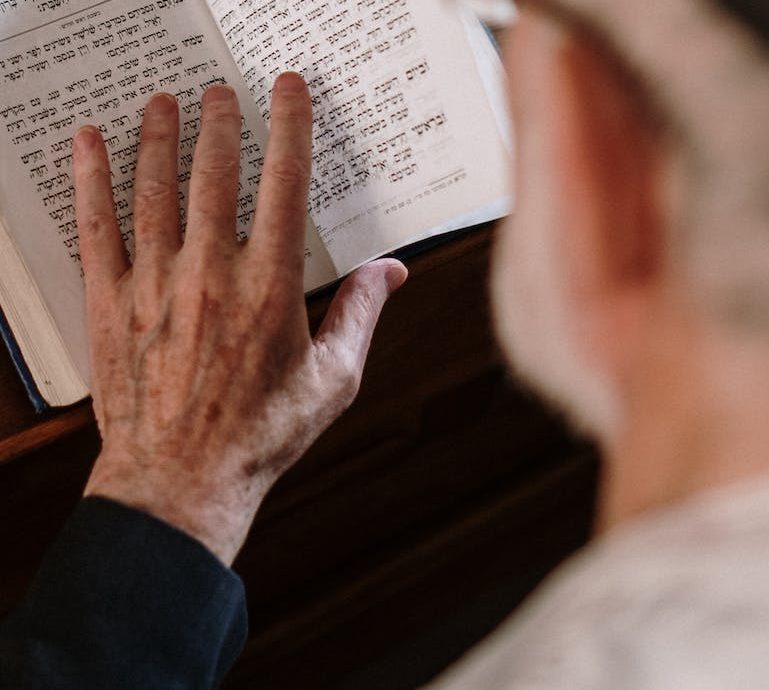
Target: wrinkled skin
207, 384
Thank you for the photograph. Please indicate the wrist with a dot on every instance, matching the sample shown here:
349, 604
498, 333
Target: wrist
216, 517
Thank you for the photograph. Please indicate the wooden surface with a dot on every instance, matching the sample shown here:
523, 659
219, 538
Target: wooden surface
414, 525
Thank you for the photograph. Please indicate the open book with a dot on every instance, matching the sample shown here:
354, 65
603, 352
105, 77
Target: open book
409, 135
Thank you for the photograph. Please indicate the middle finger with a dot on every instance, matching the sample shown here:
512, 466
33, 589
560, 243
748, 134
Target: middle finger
156, 200
215, 170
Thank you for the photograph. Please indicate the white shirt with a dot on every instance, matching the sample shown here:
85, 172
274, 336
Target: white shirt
676, 600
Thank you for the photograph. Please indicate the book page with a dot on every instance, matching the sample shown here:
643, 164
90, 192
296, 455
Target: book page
405, 140
67, 63
57, 380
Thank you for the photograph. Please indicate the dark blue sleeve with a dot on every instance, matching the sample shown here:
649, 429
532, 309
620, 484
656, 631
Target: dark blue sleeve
123, 600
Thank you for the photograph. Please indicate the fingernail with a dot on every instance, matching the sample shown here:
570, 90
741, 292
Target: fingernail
86, 138
289, 82
396, 276
161, 104
220, 92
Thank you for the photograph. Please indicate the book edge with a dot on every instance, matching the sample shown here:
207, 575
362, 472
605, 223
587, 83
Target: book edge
66, 385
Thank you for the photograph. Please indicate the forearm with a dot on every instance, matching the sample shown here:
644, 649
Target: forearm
124, 601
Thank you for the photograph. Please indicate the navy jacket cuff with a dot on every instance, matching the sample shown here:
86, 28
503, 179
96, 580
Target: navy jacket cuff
124, 600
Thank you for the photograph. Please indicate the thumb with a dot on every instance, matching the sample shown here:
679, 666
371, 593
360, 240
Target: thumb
349, 324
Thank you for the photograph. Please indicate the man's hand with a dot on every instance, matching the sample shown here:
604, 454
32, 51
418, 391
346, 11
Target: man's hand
206, 382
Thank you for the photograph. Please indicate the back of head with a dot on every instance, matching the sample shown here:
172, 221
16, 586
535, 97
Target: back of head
722, 242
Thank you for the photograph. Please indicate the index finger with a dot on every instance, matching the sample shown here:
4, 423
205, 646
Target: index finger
278, 237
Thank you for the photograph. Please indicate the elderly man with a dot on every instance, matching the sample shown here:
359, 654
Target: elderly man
632, 287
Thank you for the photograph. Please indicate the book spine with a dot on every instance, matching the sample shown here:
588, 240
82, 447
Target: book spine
30, 386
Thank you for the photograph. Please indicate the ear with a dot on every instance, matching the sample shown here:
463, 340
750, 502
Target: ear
607, 176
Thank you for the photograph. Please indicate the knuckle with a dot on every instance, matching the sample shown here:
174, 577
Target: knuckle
155, 191
102, 304
217, 214
93, 176
348, 379
293, 109
340, 377
158, 133
290, 171
96, 223
366, 308
218, 167
224, 112
279, 274
292, 115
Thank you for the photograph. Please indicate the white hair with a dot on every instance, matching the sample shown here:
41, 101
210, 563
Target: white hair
705, 75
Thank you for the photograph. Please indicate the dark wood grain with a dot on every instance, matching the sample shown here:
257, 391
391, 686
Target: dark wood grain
21, 428
416, 604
